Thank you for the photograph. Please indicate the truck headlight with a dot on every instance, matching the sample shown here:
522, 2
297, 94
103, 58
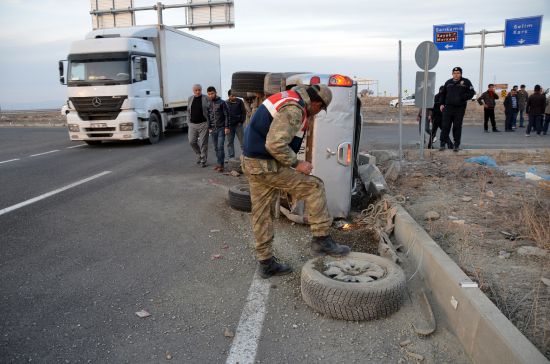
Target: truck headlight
126, 126
73, 127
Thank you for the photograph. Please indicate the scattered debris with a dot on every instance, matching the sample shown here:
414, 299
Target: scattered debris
510, 236
216, 256
482, 160
215, 230
228, 333
168, 356
466, 199
503, 254
234, 173
415, 356
431, 216
425, 325
143, 314
404, 342
459, 222
490, 194
392, 173
545, 281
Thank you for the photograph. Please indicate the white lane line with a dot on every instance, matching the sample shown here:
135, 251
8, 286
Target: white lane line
76, 146
245, 344
48, 194
10, 160
51, 151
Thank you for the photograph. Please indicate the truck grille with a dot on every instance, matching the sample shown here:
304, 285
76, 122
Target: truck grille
98, 107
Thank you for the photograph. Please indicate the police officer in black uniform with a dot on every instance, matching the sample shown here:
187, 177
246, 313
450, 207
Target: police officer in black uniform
456, 92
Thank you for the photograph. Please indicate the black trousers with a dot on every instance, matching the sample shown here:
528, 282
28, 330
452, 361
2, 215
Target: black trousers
489, 113
436, 124
452, 117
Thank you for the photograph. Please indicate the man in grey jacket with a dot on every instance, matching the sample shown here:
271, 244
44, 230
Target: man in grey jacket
197, 120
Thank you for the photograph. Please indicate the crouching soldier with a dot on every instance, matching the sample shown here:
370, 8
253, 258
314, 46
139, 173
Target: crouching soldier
271, 141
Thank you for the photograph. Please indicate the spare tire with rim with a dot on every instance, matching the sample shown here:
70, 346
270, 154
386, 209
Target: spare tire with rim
239, 198
356, 287
247, 82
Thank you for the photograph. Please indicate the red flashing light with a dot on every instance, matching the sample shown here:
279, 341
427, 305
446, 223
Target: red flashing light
349, 154
340, 80
315, 80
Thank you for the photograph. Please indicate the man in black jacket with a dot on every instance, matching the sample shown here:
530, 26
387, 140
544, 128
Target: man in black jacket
218, 125
456, 92
536, 104
237, 117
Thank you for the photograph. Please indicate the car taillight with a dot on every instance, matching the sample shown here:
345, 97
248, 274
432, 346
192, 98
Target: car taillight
349, 154
315, 80
340, 80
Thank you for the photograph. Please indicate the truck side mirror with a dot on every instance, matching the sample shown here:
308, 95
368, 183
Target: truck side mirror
61, 73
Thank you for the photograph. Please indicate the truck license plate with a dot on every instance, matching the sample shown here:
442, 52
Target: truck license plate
98, 125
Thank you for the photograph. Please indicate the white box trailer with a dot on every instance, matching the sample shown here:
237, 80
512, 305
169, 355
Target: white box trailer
134, 82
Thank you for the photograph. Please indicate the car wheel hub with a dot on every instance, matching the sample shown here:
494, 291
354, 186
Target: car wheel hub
353, 271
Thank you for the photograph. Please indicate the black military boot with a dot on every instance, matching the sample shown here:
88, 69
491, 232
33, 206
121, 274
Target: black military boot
271, 267
323, 245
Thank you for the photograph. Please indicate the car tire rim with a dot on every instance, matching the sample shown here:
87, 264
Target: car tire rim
353, 271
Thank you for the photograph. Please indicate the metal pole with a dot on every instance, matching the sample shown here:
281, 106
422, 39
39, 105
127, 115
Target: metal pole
424, 96
159, 13
483, 32
399, 97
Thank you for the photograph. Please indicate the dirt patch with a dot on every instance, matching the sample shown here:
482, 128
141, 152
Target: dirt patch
486, 216
32, 118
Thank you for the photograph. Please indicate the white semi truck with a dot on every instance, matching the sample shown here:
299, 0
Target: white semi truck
134, 83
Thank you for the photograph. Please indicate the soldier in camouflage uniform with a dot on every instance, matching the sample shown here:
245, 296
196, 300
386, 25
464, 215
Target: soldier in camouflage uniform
271, 142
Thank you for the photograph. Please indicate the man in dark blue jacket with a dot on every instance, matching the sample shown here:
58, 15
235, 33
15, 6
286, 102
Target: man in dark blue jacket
456, 92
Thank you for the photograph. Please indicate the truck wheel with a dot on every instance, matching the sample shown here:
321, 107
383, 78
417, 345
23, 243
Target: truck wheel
154, 129
239, 198
93, 142
248, 82
357, 287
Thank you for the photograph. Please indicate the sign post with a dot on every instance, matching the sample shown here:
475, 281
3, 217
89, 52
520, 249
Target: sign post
426, 57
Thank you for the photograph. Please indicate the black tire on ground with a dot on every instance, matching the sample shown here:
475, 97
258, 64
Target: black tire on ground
154, 129
353, 301
93, 142
239, 198
248, 82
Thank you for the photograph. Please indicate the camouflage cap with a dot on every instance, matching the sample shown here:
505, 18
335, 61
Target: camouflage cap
324, 93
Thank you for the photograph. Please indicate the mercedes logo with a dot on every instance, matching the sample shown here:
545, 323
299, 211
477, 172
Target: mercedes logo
96, 102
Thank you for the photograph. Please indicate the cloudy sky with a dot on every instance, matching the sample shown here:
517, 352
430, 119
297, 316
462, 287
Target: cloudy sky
353, 37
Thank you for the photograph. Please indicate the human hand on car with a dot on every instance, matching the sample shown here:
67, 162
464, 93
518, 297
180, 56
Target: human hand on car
304, 167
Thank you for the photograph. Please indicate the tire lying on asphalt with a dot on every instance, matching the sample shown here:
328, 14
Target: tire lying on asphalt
247, 82
357, 287
239, 198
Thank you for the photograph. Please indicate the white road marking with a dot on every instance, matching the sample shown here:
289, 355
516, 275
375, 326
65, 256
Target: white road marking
10, 160
76, 146
48, 194
245, 344
51, 151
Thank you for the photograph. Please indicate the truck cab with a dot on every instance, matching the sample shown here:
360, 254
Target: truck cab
134, 83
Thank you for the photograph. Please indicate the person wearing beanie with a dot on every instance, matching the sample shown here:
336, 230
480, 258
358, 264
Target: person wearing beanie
488, 100
456, 93
536, 104
272, 140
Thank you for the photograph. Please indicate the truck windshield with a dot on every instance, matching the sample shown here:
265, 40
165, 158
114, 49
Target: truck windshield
113, 71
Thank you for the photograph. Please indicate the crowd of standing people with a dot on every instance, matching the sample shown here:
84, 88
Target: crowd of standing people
450, 105
209, 116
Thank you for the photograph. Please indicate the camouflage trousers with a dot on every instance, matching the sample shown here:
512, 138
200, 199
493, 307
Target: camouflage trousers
266, 179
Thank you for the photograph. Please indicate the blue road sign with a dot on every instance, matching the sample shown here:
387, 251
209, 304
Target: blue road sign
522, 31
449, 37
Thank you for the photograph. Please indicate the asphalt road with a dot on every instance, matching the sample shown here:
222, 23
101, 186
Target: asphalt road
91, 235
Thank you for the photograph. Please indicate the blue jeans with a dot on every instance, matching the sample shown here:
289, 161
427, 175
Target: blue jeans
521, 119
238, 129
218, 138
511, 119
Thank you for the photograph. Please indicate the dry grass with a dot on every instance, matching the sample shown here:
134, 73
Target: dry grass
535, 218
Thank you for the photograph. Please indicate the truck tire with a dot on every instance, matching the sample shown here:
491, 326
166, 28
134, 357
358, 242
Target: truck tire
276, 82
93, 142
154, 129
239, 198
331, 294
248, 82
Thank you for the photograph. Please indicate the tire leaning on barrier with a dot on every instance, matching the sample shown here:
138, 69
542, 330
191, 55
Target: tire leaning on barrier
357, 287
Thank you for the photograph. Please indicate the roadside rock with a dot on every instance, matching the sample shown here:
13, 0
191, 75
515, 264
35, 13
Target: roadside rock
490, 194
466, 199
392, 174
531, 251
431, 216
